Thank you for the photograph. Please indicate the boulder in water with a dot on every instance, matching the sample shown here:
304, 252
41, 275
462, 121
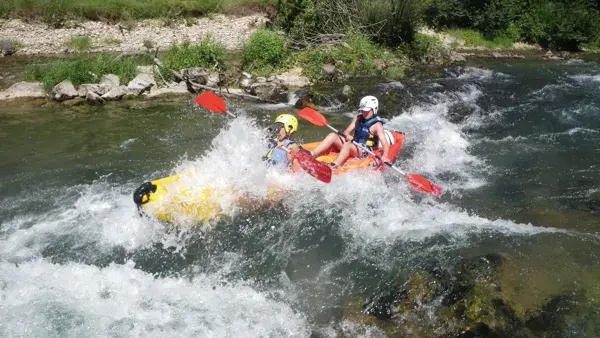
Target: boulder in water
64, 91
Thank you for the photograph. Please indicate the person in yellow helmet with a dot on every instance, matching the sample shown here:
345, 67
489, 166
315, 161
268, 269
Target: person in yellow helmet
282, 129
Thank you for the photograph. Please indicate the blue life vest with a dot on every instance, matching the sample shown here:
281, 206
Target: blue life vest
362, 134
277, 155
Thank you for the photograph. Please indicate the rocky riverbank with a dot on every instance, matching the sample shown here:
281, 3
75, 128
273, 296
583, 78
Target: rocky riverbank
38, 38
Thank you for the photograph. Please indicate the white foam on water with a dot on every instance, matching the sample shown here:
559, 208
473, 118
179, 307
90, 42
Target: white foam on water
99, 213
127, 143
439, 145
376, 210
40, 299
586, 78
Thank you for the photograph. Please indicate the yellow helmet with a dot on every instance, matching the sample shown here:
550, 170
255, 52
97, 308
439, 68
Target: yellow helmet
290, 122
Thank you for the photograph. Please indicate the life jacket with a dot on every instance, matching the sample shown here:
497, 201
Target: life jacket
362, 134
276, 155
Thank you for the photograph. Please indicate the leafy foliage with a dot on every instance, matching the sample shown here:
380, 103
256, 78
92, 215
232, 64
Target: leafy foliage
264, 49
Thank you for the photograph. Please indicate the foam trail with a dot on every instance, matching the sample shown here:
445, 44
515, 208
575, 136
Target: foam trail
40, 299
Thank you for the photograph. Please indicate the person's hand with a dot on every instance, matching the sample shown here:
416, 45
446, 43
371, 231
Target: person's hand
386, 161
349, 138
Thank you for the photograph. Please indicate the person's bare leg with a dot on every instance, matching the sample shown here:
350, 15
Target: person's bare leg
331, 139
349, 149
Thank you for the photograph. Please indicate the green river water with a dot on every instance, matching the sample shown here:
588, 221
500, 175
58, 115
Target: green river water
514, 144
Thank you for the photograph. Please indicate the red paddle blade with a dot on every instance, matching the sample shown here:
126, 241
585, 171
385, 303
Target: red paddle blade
210, 101
316, 169
313, 117
422, 184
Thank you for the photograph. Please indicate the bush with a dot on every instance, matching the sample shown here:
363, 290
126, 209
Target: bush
563, 25
264, 50
555, 24
389, 22
208, 54
85, 70
356, 57
423, 49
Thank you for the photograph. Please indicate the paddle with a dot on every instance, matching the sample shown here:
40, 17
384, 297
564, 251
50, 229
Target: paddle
418, 182
313, 167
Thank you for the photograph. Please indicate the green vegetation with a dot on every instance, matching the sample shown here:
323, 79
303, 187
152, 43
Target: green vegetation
208, 54
85, 70
389, 22
473, 38
264, 52
356, 56
555, 24
79, 43
56, 12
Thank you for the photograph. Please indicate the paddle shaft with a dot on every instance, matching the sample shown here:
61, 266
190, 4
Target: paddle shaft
367, 150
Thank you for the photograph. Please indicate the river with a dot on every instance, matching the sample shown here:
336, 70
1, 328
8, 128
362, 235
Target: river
514, 144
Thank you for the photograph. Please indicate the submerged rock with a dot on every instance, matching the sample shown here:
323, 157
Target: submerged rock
469, 300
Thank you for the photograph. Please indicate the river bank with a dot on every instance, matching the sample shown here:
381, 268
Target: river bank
210, 53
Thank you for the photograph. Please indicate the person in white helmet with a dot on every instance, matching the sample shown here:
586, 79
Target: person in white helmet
366, 128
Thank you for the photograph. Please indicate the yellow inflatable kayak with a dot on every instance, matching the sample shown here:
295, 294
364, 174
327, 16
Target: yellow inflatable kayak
169, 200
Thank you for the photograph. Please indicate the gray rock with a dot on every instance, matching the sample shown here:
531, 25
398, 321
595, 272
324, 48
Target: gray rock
95, 88
245, 80
213, 79
178, 89
64, 91
6, 49
23, 89
141, 83
347, 91
261, 79
145, 70
294, 78
110, 80
452, 56
197, 75
331, 73
115, 93
274, 91
92, 97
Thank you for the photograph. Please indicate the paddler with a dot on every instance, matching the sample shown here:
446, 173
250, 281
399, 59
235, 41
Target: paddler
282, 129
366, 128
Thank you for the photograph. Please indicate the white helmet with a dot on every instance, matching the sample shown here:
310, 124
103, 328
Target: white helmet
368, 103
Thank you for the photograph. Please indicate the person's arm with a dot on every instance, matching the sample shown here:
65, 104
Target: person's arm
350, 129
384, 143
292, 147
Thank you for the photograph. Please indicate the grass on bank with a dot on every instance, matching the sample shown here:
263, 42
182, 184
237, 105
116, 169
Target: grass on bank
357, 56
84, 70
79, 43
473, 38
56, 11
264, 54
